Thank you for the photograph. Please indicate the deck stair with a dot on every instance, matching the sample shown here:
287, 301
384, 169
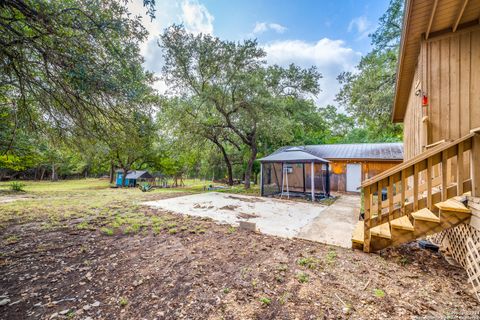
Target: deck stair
424, 195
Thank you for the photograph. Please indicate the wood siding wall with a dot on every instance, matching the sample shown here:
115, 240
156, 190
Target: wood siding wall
338, 171
412, 128
449, 73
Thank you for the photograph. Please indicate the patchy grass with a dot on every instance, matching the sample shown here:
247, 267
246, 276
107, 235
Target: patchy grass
90, 204
265, 301
379, 293
11, 239
331, 256
302, 277
85, 240
309, 262
122, 302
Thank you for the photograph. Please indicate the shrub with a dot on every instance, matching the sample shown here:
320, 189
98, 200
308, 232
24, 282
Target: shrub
379, 293
123, 302
265, 301
302, 277
17, 186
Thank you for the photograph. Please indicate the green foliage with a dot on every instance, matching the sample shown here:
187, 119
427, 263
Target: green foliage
265, 301
145, 187
17, 186
379, 293
302, 277
331, 256
309, 262
71, 65
230, 97
122, 302
107, 231
368, 94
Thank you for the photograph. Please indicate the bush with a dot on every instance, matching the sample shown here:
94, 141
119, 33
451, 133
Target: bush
17, 186
145, 187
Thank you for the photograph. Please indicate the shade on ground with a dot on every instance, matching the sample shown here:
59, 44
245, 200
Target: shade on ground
277, 217
335, 225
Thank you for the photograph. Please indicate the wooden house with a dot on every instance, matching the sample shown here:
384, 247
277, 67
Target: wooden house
436, 189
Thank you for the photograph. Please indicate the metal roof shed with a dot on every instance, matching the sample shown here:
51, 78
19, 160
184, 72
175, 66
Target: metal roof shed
294, 172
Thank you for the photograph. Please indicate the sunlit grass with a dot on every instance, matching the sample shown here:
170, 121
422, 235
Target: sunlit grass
91, 204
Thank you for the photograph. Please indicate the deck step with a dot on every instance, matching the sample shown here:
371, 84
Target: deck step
425, 215
382, 231
358, 232
402, 223
452, 205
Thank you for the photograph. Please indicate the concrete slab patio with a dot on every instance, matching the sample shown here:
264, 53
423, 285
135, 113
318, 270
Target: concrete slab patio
284, 218
335, 225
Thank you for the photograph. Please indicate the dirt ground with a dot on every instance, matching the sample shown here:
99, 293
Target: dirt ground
193, 268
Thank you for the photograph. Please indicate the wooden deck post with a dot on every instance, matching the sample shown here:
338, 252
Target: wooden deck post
390, 197
444, 175
475, 165
415, 187
429, 183
366, 218
460, 169
403, 182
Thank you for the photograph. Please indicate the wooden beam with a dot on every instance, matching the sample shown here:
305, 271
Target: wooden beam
444, 175
429, 184
475, 165
367, 198
432, 15
415, 187
418, 158
390, 195
460, 15
460, 169
379, 198
403, 181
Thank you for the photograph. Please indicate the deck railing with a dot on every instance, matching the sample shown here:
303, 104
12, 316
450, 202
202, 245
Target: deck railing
446, 170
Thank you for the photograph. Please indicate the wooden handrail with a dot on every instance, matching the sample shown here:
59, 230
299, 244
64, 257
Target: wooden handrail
421, 157
420, 182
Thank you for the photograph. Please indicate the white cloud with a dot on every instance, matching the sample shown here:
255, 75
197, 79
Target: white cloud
331, 57
196, 17
361, 26
261, 27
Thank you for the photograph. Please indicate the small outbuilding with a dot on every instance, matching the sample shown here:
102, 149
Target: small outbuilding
349, 164
294, 172
134, 177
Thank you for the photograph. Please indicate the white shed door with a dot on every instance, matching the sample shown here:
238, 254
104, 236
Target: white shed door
354, 177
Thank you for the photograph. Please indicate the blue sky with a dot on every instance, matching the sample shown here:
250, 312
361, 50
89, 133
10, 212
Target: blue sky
331, 35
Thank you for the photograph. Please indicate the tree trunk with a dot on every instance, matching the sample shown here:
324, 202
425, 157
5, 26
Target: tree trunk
228, 163
248, 171
43, 173
54, 174
124, 176
112, 171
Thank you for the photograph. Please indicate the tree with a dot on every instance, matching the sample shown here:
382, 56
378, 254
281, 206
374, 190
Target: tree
134, 146
191, 118
232, 83
70, 64
368, 94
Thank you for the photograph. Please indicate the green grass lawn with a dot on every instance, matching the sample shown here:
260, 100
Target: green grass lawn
92, 204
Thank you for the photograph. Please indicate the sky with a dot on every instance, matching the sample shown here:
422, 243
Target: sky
331, 35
